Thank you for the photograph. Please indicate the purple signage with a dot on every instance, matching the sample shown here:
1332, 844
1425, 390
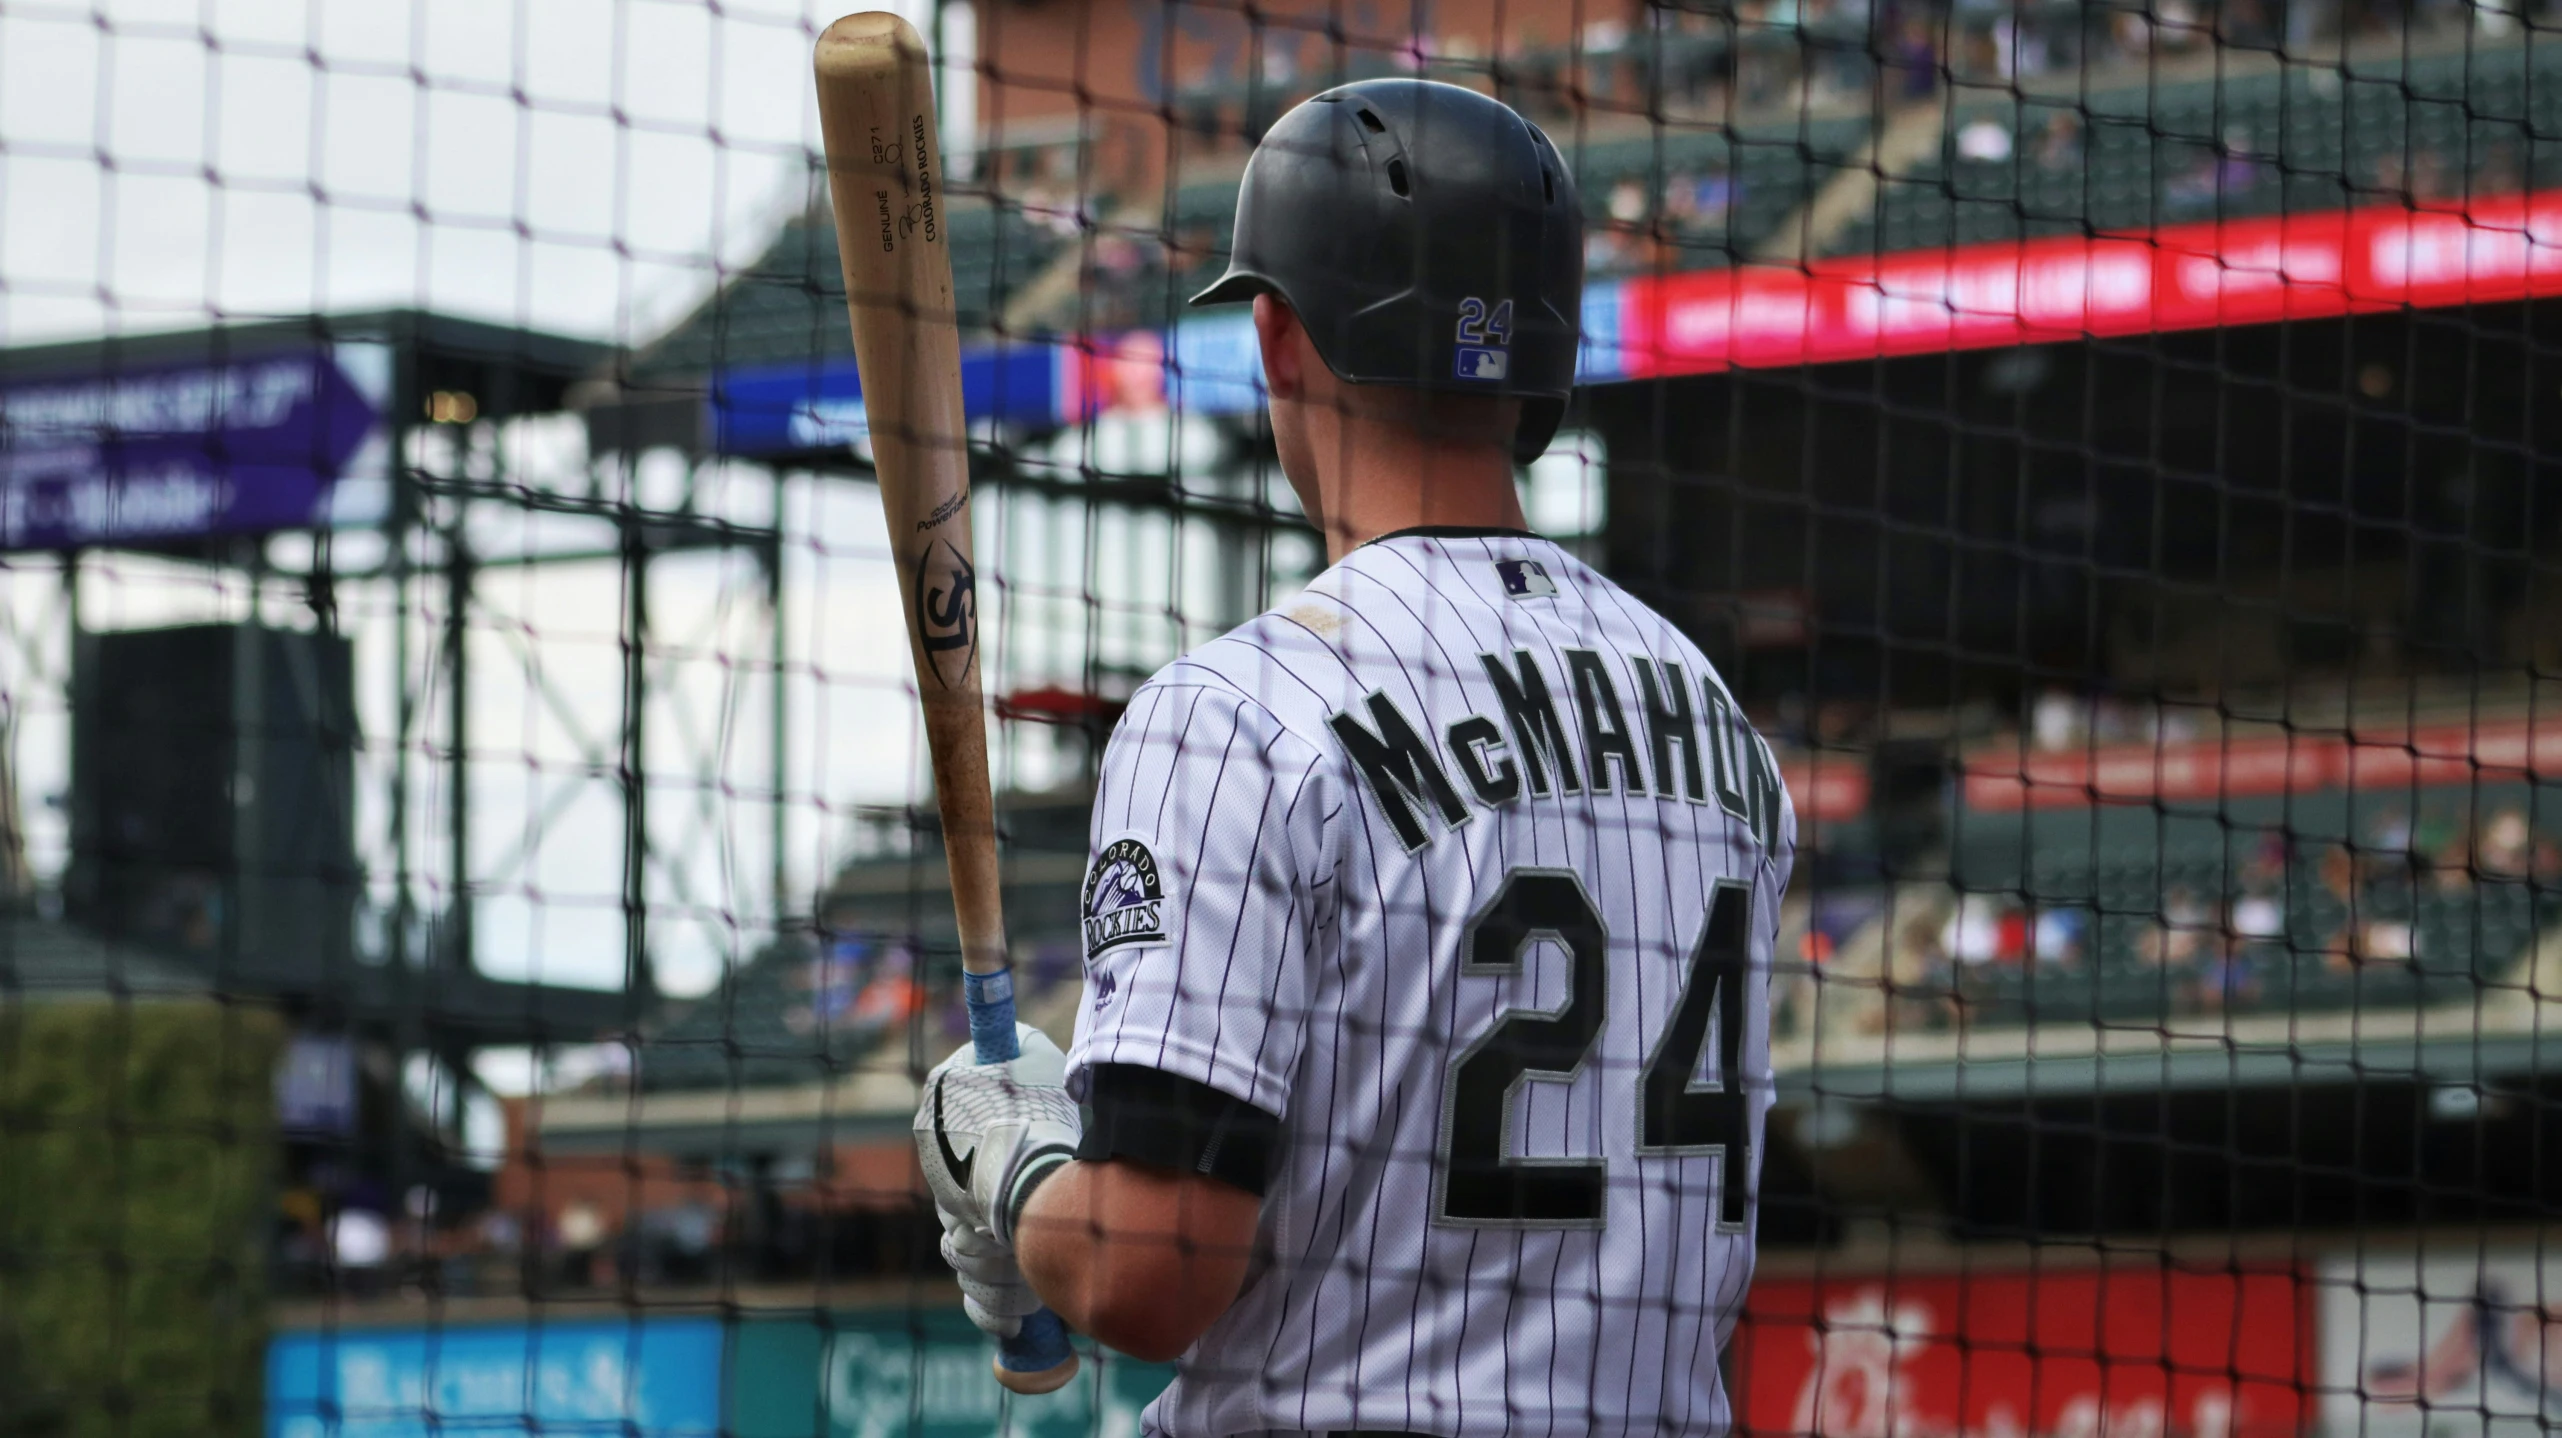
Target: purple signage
185, 451
316, 1085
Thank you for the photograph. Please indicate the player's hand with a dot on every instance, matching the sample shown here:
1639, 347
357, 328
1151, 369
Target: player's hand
982, 1130
993, 1290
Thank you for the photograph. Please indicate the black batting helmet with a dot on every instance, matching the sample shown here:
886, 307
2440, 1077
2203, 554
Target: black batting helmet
1425, 235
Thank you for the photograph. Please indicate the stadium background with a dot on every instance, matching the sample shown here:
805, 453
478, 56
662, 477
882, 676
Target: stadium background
474, 912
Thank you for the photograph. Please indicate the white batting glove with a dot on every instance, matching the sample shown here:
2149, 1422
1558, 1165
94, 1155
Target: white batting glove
993, 1290
983, 1130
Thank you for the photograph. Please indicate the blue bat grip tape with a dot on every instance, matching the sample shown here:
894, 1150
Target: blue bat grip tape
1040, 1346
991, 1001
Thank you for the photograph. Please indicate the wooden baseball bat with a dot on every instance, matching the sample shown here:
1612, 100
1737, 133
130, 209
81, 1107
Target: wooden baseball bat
885, 175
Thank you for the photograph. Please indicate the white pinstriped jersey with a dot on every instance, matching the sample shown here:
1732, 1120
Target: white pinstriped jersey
1465, 865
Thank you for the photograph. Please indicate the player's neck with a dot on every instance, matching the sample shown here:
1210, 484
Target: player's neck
1390, 480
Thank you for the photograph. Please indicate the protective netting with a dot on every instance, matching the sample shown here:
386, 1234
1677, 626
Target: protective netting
474, 920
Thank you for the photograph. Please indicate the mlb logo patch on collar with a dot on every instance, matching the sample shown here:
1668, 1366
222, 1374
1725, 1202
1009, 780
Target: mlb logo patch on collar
1525, 579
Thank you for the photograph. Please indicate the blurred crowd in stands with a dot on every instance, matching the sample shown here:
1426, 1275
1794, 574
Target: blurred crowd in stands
2321, 912
2061, 721
570, 1225
1714, 60
1719, 61
1763, 76
581, 1222
748, 1233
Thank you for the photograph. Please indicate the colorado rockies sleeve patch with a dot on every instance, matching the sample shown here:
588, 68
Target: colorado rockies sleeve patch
1124, 898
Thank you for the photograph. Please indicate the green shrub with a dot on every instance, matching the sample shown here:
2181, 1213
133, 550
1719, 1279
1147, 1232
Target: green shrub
136, 1153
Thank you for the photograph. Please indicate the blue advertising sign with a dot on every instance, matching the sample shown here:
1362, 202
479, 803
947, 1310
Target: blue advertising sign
1217, 364
650, 1378
185, 451
920, 1373
1207, 364
1600, 357
785, 409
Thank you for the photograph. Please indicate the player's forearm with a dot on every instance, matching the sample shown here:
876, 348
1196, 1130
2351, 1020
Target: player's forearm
1144, 1259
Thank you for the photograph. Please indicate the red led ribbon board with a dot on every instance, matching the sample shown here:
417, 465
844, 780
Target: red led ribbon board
2191, 276
2437, 754
2125, 1352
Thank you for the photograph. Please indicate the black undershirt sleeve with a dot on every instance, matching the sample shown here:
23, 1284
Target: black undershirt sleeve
1168, 1121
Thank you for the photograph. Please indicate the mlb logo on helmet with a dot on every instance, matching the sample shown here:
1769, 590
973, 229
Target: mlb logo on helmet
1525, 579
1479, 362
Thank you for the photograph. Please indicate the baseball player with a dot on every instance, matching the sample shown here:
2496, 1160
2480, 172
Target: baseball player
1425, 1047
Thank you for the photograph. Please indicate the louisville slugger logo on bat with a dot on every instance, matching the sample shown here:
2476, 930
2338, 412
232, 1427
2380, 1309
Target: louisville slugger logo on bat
946, 611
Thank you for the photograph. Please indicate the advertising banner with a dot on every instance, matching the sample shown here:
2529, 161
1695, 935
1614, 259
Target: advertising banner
2188, 276
2208, 771
2450, 1345
2121, 1352
1209, 364
639, 1378
920, 1374
189, 451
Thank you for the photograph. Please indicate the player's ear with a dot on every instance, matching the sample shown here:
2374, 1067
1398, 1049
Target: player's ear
1276, 331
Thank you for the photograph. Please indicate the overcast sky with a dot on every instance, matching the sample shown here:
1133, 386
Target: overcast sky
576, 165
